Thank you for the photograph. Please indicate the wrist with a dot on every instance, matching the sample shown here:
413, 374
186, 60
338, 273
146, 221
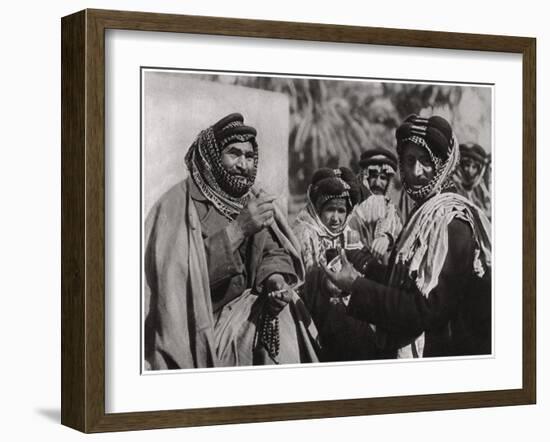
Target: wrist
352, 282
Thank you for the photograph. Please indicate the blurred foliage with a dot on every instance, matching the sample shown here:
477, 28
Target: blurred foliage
333, 121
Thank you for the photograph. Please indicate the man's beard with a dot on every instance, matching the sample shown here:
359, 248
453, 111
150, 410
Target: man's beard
468, 181
235, 184
468, 184
375, 190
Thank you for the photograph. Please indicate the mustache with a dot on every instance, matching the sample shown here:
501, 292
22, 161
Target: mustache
239, 173
375, 187
417, 179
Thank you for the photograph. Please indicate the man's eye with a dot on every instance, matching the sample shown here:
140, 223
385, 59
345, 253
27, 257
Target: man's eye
426, 162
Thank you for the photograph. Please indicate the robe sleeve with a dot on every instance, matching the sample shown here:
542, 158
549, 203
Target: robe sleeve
224, 263
357, 222
409, 311
356, 338
307, 248
275, 259
344, 337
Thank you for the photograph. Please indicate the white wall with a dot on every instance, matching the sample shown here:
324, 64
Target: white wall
30, 234
177, 107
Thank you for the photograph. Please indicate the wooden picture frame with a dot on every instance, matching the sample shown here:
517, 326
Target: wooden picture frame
83, 219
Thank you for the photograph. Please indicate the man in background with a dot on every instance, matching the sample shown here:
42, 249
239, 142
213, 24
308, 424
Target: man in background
471, 176
376, 218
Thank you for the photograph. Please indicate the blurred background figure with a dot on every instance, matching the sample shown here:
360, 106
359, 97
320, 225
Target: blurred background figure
376, 218
472, 177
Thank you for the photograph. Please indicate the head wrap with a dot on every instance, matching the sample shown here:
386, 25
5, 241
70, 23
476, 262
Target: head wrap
474, 151
384, 159
228, 193
436, 136
477, 154
328, 184
377, 160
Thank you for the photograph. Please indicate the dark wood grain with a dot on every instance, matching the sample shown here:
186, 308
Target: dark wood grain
95, 221
529, 220
73, 254
308, 410
83, 220
307, 31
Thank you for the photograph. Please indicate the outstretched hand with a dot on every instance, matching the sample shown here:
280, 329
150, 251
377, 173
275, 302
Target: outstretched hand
345, 277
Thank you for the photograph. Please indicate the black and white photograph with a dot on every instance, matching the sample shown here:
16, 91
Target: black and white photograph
251, 221
298, 219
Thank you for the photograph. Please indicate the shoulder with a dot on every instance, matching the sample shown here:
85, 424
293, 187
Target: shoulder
360, 211
168, 213
302, 222
302, 230
390, 204
460, 229
461, 242
169, 202
175, 193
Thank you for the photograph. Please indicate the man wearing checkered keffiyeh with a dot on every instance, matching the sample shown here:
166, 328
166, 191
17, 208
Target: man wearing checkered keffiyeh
221, 265
376, 218
437, 299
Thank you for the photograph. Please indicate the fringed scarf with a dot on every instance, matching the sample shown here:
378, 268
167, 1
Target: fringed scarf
422, 248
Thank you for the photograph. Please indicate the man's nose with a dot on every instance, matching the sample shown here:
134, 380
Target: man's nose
241, 162
418, 169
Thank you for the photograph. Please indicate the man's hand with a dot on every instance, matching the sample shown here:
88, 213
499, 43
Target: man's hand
380, 247
345, 277
257, 214
278, 294
331, 289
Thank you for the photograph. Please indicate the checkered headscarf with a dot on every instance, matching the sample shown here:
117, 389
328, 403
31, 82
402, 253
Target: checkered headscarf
436, 136
227, 192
